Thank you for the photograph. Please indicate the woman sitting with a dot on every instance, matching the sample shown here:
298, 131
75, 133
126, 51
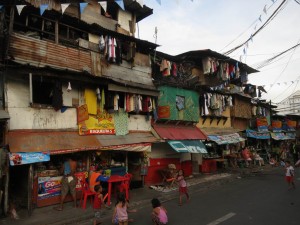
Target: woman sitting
260, 160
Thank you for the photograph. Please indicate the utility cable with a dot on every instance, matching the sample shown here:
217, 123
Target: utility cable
273, 15
268, 61
284, 90
288, 62
243, 31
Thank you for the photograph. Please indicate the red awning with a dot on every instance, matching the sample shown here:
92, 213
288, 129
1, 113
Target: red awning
56, 142
173, 132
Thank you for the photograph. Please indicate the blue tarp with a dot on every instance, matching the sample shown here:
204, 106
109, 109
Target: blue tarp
257, 135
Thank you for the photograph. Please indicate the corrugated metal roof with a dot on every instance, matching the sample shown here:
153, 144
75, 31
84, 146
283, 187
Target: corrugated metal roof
55, 142
219, 131
129, 139
28, 50
60, 142
197, 55
173, 132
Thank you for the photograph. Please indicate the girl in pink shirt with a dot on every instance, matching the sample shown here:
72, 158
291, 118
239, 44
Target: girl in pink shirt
159, 213
182, 187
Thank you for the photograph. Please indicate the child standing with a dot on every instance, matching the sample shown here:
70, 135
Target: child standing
289, 174
159, 213
120, 215
182, 187
120, 211
98, 201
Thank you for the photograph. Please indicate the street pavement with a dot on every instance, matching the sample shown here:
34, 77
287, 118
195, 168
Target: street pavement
260, 198
139, 199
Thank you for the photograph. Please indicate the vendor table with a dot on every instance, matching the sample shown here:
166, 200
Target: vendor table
115, 179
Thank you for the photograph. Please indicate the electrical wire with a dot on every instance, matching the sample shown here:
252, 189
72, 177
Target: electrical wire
268, 61
273, 15
284, 91
243, 31
288, 62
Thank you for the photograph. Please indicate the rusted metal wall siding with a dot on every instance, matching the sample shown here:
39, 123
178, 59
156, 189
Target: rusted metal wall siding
241, 108
241, 124
136, 76
43, 53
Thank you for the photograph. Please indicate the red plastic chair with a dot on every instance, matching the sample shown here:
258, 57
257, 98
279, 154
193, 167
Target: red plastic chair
85, 193
125, 185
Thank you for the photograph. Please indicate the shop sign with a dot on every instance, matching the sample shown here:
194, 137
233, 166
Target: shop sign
262, 124
49, 187
82, 113
276, 125
164, 112
291, 123
21, 158
102, 123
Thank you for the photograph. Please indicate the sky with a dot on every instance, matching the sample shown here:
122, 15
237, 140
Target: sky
219, 25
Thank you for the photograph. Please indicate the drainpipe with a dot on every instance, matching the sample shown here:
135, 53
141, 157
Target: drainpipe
30, 89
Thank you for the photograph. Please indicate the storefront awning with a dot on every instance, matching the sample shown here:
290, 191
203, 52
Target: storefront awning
290, 135
173, 132
4, 115
190, 146
57, 142
278, 136
131, 142
226, 139
257, 135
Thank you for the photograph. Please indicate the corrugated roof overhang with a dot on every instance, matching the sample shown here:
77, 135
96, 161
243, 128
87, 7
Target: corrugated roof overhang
176, 132
56, 142
132, 90
61, 142
131, 142
219, 131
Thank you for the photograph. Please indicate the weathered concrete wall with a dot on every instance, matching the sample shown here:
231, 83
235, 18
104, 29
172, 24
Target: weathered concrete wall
23, 116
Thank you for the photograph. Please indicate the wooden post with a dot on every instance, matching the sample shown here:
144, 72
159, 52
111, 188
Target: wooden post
6, 188
56, 32
30, 189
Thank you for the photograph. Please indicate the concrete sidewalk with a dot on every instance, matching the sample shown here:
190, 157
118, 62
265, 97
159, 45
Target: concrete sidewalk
138, 198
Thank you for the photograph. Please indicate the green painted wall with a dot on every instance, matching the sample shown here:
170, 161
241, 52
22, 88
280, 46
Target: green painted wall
190, 112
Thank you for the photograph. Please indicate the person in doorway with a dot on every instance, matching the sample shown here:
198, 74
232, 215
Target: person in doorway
182, 187
159, 213
68, 182
289, 175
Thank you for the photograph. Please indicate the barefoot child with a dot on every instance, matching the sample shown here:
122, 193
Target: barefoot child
159, 213
289, 174
120, 215
98, 201
182, 187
